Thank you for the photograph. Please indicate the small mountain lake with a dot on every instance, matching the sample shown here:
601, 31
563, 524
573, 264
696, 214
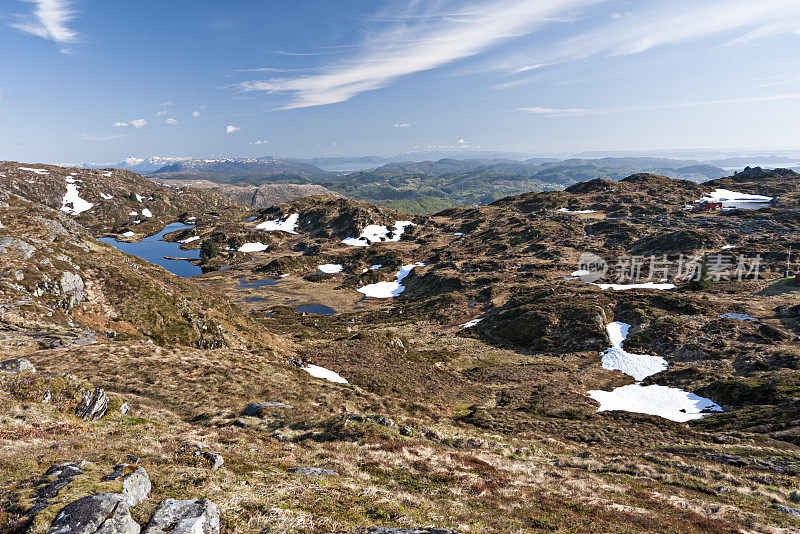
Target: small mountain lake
154, 250
317, 309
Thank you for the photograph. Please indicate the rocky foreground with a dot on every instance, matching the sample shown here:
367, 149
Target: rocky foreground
440, 381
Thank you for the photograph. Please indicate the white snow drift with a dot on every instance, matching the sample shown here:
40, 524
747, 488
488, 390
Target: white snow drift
734, 199
289, 224
72, 203
326, 374
565, 210
625, 287
253, 247
385, 290
331, 268
376, 233
670, 403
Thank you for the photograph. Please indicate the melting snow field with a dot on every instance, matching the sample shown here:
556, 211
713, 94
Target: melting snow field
565, 210
470, 324
670, 403
289, 224
72, 203
37, 171
385, 290
252, 247
190, 239
331, 268
739, 316
375, 233
326, 374
625, 287
147, 213
734, 200
639, 366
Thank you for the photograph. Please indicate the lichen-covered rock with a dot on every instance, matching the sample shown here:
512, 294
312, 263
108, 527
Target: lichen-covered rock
56, 478
72, 287
214, 459
794, 512
101, 513
197, 516
16, 365
135, 482
25, 250
93, 405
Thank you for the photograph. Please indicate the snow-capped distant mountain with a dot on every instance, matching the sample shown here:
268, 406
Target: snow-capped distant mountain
147, 165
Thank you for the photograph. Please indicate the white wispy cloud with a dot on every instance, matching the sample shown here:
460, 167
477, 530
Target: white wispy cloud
401, 125
427, 35
89, 137
665, 23
259, 142
49, 20
161, 113
138, 123
231, 129
572, 112
196, 114
171, 121
166, 104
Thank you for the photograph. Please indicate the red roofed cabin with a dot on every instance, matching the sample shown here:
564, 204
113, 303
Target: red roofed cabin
708, 206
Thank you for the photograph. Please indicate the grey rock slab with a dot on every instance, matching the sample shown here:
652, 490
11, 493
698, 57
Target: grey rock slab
311, 471
196, 516
101, 513
16, 365
136, 484
93, 405
215, 460
788, 510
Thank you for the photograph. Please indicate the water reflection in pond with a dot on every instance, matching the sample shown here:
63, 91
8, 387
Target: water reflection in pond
154, 250
243, 284
317, 309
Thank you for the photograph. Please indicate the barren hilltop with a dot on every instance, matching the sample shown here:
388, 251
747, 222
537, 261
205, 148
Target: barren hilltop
619, 356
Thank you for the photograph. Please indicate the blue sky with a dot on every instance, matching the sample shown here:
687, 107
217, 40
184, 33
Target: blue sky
92, 80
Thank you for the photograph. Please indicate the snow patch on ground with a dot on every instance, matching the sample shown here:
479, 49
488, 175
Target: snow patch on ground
385, 290
639, 366
670, 403
139, 198
253, 247
470, 324
147, 213
565, 210
289, 224
326, 374
376, 233
739, 316
625, 287
128, 234
106, 197
736, 200
190, 239
331, 268
72, 203
31, 169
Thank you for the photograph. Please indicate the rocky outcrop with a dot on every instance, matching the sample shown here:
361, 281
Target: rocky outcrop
101, 513
16, 365
72, 287
93, 405
25, 250
135, 482
788, 510
199, 451
197, 516
257, 409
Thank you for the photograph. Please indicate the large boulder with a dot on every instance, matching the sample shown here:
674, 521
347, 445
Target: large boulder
197, 516
16, 365
93, 405
72, 287
101, 513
